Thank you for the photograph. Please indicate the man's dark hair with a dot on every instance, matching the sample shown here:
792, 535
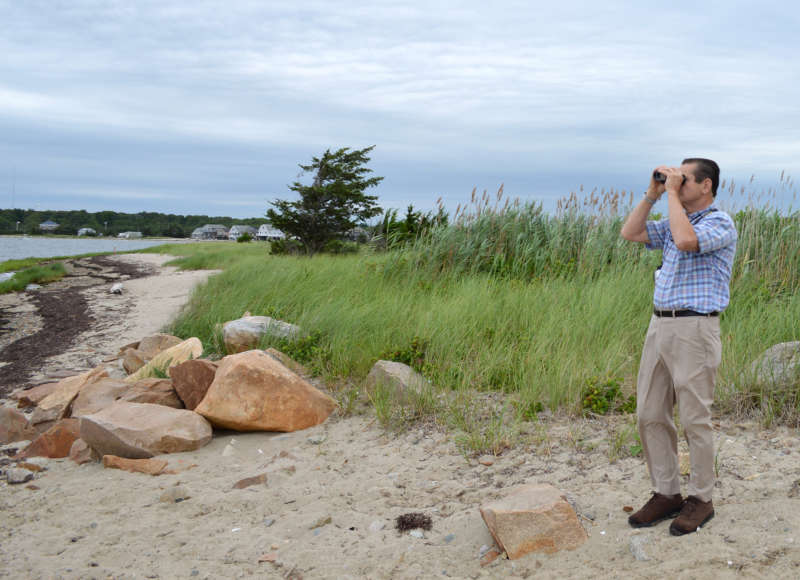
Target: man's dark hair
705, 169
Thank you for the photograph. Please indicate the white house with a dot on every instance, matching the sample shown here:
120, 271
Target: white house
210, 232
87, 232
130, 235
237, 231
268, 233
48, 226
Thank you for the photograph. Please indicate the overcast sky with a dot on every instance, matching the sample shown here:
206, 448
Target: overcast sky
208, 107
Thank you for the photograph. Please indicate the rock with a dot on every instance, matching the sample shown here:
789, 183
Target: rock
316, 439
260, 479
533, 518
253, 392
153, 391
269, 521
56, 405
55, 442
141, 430
486, 460
31, 397
30, 287
778, 366
147, 466
490, 556
191, 380
17, 475
397, 377
14, 426
175, 494
98, 396
377, 526
419, 534
287, 361
116, 288
150, 346
247, 332
132, 360
81, 453
175, 355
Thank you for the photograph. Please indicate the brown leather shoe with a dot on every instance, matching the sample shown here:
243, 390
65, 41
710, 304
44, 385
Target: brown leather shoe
658, 508
693, 515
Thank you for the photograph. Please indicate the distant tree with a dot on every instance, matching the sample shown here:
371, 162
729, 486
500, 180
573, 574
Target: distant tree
333, 204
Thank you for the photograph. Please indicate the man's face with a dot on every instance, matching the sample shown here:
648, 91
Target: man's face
692, 191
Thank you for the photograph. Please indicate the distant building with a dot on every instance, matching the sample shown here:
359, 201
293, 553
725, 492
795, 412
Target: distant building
237, 231
129, 235
48, 226
87, 232
267, 233
210, 232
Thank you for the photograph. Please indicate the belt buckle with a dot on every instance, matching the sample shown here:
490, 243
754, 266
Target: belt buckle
673, 313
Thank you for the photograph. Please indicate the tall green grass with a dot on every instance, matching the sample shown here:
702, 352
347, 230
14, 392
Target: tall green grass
35, 275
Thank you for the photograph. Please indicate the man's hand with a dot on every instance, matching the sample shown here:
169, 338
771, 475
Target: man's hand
656, 189
675, 178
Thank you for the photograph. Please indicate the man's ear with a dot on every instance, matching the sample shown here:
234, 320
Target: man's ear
707, 185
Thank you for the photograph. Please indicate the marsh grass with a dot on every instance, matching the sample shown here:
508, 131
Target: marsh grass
33, 275
508, 300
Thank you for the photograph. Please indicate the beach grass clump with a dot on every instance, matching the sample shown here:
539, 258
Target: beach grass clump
34, 275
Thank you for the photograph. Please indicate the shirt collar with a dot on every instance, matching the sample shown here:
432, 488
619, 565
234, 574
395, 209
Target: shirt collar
701, 212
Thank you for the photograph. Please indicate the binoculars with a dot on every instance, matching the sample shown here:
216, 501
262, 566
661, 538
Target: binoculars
661, 178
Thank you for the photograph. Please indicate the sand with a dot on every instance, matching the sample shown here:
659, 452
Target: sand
332, 494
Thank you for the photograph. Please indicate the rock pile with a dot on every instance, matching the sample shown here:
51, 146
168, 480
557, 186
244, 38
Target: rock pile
158, 396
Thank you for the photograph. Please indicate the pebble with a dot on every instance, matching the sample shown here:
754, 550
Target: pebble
486, 460
449, 538
17, 475
377, 526
316, 439
483, 550
30, 287
269, 521
416, 534
228, 451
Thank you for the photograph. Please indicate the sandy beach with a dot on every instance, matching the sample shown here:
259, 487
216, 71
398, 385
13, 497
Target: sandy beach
332, 492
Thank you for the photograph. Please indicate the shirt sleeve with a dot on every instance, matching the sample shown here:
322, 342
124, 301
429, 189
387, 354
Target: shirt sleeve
715, 232
657, 233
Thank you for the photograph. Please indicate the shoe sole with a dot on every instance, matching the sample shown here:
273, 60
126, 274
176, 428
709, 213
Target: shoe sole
669, 516
676, 532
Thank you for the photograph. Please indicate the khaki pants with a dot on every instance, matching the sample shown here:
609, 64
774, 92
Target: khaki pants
679, 363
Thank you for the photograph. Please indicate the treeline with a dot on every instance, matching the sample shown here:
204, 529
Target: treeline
110, 223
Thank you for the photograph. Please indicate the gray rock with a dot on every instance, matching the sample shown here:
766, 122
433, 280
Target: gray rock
116, 288
16, 475
485, 548
400, 378
417, 534
248, 331
316, 439
449, 538
30, 287
269, 521
779, 365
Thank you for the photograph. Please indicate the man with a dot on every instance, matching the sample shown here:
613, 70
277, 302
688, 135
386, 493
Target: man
682, 350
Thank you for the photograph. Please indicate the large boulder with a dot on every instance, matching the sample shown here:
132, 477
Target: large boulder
141, 430
254, 392
399, 378
14, 426
533, 518
98, 396
779, 365
175, 355
55, 442
153, 391
247, 332
56, 405
31, 397
191, 380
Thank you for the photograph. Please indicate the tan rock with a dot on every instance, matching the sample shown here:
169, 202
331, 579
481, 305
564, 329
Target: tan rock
55, 442
260, 479
150, 346
14, 426
81, 453
254, 392
132, 360
533, 518
148, 466
56, 405
122, 349
97, 396
31, 397
188, 349
191, 380
141, 430
287, 361
398, 377
153, 391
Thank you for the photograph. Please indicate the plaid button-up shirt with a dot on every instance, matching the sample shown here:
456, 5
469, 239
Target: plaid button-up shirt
695, 280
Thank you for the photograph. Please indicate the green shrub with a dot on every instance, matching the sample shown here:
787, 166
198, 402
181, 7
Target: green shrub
245, 237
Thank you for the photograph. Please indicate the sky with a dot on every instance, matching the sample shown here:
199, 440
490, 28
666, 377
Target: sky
208, 107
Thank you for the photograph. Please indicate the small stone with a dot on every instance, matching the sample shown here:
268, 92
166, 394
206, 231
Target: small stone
228, 451
449, 538
271, 557
175, 495
490, 556
323, 521
627, 508
486, 460
419, 534
260, 479
195, 573
483, 550
269, 521
17, 475
377, 526
316, 439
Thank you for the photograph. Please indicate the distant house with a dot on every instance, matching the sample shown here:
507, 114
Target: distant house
210, 232
48, 226
87, 232
267, 233
129, 235
237, 231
